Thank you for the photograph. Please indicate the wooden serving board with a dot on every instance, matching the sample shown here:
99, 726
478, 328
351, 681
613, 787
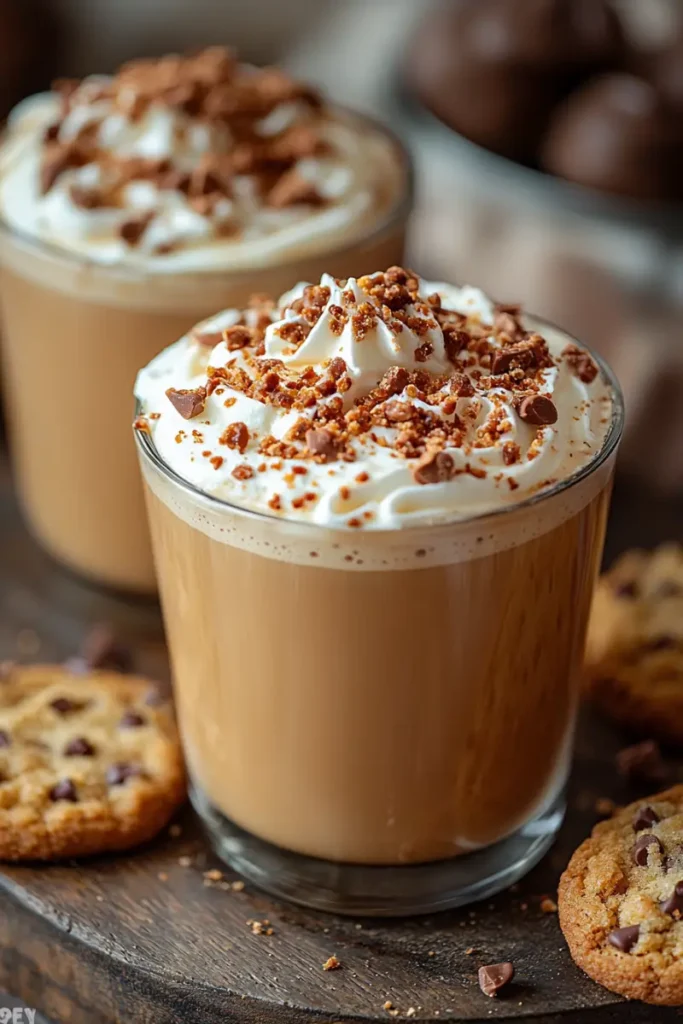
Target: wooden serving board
142, 938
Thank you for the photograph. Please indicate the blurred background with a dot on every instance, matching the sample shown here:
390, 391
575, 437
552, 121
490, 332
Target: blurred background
548, 142
548, 138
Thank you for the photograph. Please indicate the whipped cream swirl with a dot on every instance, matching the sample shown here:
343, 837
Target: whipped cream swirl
374, 403
287, 175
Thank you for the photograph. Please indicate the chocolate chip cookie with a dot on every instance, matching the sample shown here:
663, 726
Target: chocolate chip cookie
88, 762
634, 653
621, 901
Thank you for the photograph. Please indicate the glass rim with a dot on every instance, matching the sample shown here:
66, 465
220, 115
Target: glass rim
398, 210
148, 450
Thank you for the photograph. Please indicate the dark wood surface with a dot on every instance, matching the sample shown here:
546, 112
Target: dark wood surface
140, 938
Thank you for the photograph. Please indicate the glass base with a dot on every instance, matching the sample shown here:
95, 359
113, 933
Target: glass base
367, 890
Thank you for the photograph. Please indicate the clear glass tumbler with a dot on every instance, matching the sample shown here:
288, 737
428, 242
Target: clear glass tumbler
379, 722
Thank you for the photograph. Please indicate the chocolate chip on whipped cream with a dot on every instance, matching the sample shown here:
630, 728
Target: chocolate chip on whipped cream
538, 410
188, 402
434, 467
581, 363
352, 407
321, 442
132, 230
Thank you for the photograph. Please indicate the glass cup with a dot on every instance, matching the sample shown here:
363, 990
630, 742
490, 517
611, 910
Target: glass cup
379, 722
75, 334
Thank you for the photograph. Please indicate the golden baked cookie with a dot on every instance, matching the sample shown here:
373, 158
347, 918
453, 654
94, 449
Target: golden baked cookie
621, 901
88, 762
634, 651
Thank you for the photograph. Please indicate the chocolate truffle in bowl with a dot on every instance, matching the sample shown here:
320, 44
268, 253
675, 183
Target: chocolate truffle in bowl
407, 486
618, 135
494, 70
131, 207
478, 95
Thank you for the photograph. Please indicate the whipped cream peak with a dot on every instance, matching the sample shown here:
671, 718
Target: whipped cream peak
343, 313
374, 402
192, 153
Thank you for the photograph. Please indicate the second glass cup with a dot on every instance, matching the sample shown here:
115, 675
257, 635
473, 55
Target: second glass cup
76, 330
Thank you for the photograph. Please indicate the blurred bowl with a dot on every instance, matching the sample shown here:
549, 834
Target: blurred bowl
609, 269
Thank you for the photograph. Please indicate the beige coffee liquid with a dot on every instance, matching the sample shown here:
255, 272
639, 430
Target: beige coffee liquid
74, 337
377, 698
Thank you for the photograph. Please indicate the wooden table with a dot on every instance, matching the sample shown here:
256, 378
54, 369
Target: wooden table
141, 938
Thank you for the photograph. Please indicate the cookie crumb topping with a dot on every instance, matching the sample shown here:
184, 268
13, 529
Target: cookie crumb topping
197, 162
210, 99
440, 391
